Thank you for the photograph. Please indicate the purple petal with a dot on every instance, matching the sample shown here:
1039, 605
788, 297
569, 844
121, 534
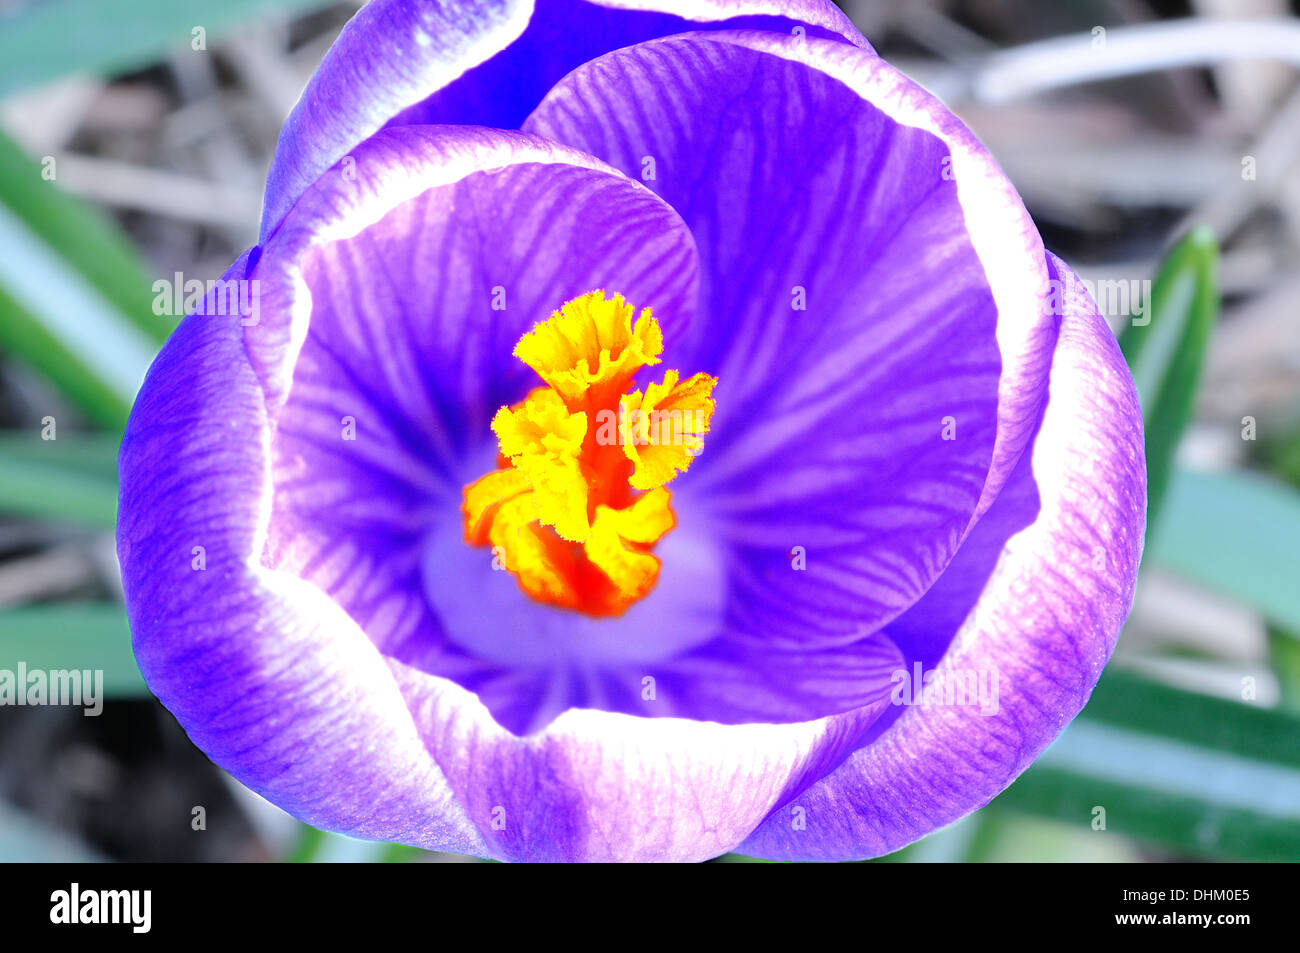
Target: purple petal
599, 786
395, 54
271, 679
737, 684
380, 238
1046, 622
809, 168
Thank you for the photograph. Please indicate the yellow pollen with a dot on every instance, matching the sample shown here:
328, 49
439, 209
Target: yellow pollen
579, 498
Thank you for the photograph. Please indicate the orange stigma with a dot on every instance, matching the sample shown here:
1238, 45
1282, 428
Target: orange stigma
579, 500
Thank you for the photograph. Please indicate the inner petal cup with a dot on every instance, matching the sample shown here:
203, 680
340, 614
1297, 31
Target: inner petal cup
841, 291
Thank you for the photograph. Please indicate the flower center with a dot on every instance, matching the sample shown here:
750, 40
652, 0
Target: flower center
578, 500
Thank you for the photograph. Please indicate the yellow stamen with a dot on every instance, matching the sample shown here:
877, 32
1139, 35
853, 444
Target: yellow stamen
579, 499
591, 344
664, 428
543, 442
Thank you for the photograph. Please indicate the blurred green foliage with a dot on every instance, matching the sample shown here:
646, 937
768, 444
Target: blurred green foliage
42, 41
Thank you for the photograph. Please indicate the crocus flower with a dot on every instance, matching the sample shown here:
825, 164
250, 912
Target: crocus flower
662, 433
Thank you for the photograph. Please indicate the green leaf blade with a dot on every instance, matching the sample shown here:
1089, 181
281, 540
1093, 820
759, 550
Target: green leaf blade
75, 636
1165, 355
1192, 773
1237, 534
